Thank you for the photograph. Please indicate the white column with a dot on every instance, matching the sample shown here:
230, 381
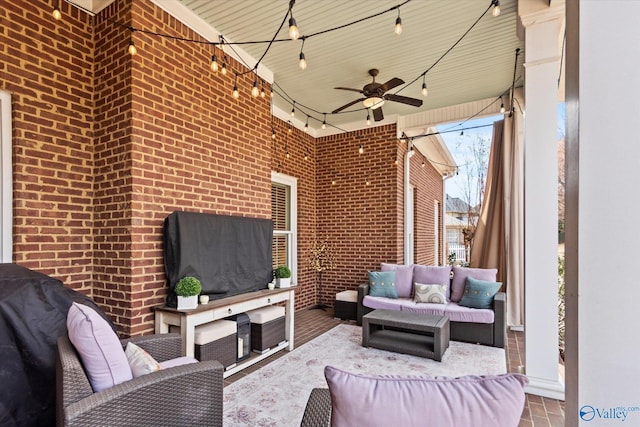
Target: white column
603, 153
542, 65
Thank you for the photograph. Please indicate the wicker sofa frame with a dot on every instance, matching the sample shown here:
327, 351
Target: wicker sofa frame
317, 413
492, 334
183, 395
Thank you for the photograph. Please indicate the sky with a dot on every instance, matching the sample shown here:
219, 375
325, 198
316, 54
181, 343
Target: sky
459, 145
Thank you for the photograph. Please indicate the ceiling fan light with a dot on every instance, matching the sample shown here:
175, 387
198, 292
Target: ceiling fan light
294, 33
373, 102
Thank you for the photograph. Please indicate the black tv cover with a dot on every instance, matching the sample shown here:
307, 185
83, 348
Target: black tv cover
229, 254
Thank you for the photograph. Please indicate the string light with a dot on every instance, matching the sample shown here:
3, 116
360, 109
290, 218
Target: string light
306, 125
324, 122
262, 92
502, 110
214, 63
294, 33
57, 15
255, 90
290, 129
398, 27
306, 156
424, 86
273, 133
333, 182
132, 47
368, 118
224, 66
293, 109
288, 155
496, 8
361, 149
302, 64
236, 92
422, 163
366, 182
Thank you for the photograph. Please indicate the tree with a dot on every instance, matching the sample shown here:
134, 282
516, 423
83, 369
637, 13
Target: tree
474, 169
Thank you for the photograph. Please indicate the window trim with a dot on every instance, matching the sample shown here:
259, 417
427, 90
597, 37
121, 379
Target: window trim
292, 183
6, 180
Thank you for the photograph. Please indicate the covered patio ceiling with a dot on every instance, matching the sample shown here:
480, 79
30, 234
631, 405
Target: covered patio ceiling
480, 66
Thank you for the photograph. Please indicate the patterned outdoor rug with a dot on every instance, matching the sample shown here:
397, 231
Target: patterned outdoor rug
276, 395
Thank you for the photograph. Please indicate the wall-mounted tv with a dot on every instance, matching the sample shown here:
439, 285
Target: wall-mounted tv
229, 254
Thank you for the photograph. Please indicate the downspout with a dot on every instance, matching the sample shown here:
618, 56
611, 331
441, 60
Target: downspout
445, 256
408, 214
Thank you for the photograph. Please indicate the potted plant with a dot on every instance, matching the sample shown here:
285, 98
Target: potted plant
187, 289
283, 276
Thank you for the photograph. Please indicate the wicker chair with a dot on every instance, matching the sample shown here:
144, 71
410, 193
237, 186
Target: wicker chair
317, 413
184, 395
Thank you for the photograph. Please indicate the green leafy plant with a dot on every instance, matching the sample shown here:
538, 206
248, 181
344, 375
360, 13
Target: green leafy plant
188, 286
282, 272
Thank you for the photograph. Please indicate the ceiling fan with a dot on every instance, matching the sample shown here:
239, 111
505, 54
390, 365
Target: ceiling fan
375, 95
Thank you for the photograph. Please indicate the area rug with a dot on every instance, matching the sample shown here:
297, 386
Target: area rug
276, 394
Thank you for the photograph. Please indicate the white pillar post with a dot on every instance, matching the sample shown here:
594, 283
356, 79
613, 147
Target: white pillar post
543, 36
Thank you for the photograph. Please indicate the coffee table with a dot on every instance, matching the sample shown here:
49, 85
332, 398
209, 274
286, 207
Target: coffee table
404, 332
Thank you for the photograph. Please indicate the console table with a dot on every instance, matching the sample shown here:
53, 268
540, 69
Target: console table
187, 320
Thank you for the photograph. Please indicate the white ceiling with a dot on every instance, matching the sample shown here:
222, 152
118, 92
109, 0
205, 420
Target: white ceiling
481, 66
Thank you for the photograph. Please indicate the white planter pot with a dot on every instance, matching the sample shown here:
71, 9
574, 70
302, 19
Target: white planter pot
187, 303
284, 283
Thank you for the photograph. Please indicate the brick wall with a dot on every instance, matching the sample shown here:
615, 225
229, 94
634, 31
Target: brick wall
428, 190
360, 221
106, 145
47, 66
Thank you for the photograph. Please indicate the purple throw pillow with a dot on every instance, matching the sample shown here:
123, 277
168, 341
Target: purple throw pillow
492, 400
404, 278
98, 346
460, 275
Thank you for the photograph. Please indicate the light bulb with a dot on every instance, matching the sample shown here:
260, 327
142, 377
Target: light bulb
422, 163
424, 89
306, 126
288, 155
214, 64
273, 134
361, 149
324, 122
293, 111
368, 119
398, 28
496, 8
306, 157
303, 62
57, 15
236, 93
224, 69
366, 182
132, 48
255, 90
502, 110
293, 29
333, 182
262, 93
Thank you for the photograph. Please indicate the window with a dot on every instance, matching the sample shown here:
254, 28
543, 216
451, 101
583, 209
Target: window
284, 216
6, 190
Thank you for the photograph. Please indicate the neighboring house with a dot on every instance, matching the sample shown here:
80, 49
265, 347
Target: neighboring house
456, 219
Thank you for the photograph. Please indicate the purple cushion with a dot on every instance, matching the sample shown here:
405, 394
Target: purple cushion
365, 400
460, 275
424, 308
458, 313
382, 303
404, 278
98, 346
432, 275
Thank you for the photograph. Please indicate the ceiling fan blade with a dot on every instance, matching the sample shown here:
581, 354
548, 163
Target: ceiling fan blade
391, 84
403, 99
337, 110
377, 114
351, 89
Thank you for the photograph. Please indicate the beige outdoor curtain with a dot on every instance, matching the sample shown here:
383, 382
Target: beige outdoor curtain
498, 240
